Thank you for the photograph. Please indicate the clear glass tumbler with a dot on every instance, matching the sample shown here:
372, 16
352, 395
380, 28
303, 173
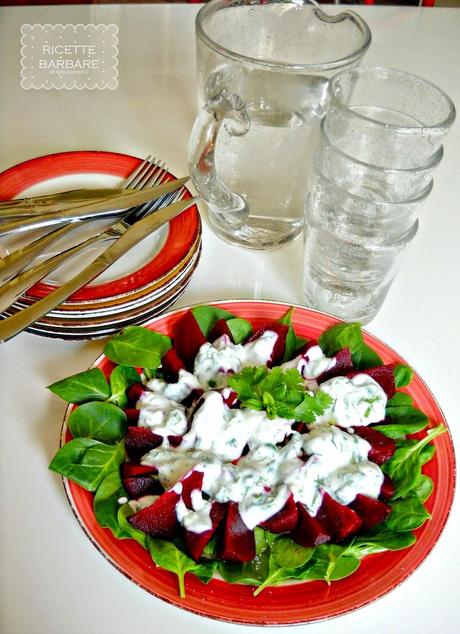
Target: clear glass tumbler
353, 246
370, 181
263, 72
386, 117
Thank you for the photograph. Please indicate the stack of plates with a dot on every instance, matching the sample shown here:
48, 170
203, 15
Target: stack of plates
142, 284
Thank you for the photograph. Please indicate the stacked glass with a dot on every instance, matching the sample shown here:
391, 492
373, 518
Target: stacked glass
380, 142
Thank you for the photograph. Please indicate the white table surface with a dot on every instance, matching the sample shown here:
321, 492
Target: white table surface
53, 580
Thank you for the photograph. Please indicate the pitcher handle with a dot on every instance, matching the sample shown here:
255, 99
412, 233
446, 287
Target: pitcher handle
203, 139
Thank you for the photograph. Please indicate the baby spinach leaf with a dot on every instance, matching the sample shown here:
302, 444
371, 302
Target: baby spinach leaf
137, 347
121, 379
286, 558
350, 336
101, 421
287, 553
293, 342
379, 541
330, 563
87, 461
240, 329
401, 411
399, 431
123, 513
168, 556
423, 487
207, 316
405, 465
82, 387
106, 506
407, 514
402, 375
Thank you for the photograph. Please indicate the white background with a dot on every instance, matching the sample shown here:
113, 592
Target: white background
53, 580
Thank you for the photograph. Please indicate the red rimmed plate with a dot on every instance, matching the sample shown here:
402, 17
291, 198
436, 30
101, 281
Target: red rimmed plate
71, 170
294, 603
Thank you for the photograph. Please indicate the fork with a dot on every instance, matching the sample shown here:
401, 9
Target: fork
17, 260
14, 288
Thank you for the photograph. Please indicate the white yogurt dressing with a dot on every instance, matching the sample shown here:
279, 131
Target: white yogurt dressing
311, 364
215, 361
356, 401
326, 459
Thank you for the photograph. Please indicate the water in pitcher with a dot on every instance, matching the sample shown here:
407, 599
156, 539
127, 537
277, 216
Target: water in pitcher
270, 166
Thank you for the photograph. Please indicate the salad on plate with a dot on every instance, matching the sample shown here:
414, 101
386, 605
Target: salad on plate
249, 454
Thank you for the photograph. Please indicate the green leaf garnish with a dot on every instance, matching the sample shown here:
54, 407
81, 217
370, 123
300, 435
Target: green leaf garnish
101, 421
137, 347
279, 392
349, 336
90, 385
87, 461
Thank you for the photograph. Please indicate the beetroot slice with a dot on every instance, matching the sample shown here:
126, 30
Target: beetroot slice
133, 470
134, 392
188, 338
382, 447
219, 329
388, 488
383, 375
142, 485
237, 543
309, 531
285, 520
174, 441
343, 365
196, 542
171, 363
371, 512
280, 344
189, 483
340, 521
137, 480
132, 414
139, 441
159, 519
231, 397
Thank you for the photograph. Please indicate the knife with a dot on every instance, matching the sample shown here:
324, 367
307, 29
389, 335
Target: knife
40, 204
13, 325
111, 206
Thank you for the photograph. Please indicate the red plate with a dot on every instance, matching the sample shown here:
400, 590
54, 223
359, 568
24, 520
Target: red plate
295, 603
182, 230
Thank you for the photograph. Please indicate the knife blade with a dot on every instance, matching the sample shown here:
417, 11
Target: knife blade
16, 323
41, 204
111, 206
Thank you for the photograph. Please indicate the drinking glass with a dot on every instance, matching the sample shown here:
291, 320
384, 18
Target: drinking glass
353, 247
386, 117
263, 72
370, 181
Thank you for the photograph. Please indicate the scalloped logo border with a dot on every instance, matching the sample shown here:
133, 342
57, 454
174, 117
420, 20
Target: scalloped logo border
69, 56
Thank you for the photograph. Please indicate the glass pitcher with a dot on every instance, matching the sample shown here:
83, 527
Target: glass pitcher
263, 71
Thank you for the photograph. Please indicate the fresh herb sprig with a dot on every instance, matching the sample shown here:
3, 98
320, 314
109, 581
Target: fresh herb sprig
279, 392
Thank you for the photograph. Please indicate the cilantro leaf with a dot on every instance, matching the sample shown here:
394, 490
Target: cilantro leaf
312, 406
279, 392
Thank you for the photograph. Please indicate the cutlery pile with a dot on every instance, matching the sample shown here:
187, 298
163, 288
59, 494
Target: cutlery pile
66, 210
